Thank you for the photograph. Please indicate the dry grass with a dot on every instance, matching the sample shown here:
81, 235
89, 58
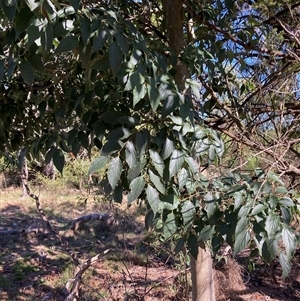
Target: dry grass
37, 267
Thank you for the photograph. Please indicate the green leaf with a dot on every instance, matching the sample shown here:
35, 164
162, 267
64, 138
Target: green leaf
272, 224
241, 241
22, 19
36, 62
285, 265
46, 39
115, 57
98, 164
136, 188
111, 146
153, 199
157, 162
119, 133
238, 200
114, 171
149, 220
83, 139
183, 177
67, 44
99, 40
176, 161
85, 30
141, 141
134, 80
169, 105
193, 245
154, 96
75, 4
286, 201
118, 194
179, 245
157, 182
139, 92
122, 41
169, 226
289, 241
168, 149
188, 213
131, 155
59, 160
258, 209
242, 224
206, 233
27, 72
286, 215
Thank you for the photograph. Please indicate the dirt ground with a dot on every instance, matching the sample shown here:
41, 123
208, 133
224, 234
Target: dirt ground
41, 266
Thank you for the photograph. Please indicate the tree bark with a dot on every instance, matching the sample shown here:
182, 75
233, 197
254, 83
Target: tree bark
202, 276
201, 268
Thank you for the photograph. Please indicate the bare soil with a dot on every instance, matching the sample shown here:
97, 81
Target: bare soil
38, 266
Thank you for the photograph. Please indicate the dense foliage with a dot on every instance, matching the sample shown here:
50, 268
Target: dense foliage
103, 73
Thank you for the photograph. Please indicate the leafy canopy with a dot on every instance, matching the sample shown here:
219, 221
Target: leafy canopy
82, 74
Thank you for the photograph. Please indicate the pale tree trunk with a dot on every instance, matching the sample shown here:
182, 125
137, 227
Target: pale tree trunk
201, 268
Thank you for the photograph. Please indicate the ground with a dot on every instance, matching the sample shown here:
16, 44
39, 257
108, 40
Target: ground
133, 265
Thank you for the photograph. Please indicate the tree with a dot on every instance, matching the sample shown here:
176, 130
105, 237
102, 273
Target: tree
157, 86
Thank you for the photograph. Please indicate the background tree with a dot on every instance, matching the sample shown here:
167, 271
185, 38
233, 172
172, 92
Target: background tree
156, 86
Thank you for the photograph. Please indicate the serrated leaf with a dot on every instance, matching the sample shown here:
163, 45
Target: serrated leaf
136, 187
188, 212
286, 201
157, 182
169, 226
272, 224
285, 265
154, 96
286, 215
176, 160
168, 148
130, 154
157, 162
98, 164
193, 165
115, 57
241, 225
238, 200
67, 44
59, 160
27, 72
241, 241
258, 209
153, 198
289, 241
114, 171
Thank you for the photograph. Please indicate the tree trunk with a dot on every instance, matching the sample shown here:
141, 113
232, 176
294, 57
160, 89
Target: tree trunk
201, 268
202, 276
24, 178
